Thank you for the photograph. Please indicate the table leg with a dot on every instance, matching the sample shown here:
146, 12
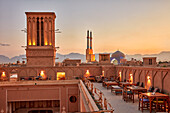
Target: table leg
133, 96
142, 103
150, 102
165, 107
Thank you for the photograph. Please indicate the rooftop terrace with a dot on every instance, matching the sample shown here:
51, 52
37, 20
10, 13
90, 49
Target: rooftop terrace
119, 105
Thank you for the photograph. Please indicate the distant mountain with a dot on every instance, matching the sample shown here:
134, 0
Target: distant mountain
70, 56
4, 59
162, 56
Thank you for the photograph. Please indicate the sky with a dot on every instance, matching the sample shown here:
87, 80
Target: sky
131, 26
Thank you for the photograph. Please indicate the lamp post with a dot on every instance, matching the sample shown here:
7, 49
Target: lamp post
57, 31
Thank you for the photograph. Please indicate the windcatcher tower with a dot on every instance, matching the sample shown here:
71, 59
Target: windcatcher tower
90, 57
40, 50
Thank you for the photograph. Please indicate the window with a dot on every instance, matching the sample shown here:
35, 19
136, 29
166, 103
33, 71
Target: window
42, 32
73, 99
38, 32
150, 61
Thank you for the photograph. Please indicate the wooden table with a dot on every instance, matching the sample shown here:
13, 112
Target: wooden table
136, 89
116, 89
157, 95
109, 83
125, 84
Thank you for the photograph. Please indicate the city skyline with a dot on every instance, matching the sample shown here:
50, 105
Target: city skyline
133, 27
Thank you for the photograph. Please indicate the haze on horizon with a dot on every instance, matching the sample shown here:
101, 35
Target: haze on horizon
132, 26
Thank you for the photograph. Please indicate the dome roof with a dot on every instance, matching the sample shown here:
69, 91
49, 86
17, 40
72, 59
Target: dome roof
118, 54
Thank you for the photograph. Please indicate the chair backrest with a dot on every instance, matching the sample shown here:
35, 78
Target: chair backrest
151, 88
137, 84
142, 84
118, 78
106, 79
156, 90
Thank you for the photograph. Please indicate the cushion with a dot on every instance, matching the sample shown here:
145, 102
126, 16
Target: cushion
145, 100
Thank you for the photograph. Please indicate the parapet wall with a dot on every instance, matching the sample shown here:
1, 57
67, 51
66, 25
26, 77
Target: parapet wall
150, 76
71, 72
158, 77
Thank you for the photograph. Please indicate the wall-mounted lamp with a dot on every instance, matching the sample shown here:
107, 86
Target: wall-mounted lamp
130, 75
149, 78
42, 74
102, 73
3, 74
87, 73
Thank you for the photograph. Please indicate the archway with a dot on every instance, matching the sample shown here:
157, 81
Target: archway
13, 75
114, 61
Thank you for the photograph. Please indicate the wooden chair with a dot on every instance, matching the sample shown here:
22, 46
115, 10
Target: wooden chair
151, 89
127, 94
159, 104
137, 84
143, 103
142, 84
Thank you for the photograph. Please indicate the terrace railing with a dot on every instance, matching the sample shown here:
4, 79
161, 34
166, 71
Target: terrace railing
99, 97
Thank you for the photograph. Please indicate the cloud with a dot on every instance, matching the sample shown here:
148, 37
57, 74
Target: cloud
4, 44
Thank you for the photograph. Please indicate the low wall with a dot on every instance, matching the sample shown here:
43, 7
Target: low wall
86, 102
150, 76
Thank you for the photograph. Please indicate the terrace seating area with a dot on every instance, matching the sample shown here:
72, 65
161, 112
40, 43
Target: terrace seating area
133, 97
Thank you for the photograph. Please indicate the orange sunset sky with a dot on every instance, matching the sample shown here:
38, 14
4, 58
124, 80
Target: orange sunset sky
132, 26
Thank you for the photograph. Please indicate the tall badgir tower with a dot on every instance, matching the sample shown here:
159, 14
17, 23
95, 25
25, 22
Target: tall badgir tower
40, 50
90, 57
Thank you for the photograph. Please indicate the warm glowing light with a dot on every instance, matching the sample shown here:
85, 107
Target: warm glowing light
148, 82
131, 78
102, 73
46, 43
50, 44
87, 73
60, 75
120, 75
34, 43
148, 78
29, 43
42, 74
3, 74
91, 51
93, 58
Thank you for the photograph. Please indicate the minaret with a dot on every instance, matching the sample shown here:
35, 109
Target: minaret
90, 57
90, 40
87, 39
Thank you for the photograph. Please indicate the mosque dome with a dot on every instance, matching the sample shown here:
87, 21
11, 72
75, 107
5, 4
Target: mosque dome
118, 54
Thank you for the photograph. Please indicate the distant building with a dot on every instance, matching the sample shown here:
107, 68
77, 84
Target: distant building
149, 61
133, 62
164, 64
71, 62
104, 58
117, 57
90, 57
